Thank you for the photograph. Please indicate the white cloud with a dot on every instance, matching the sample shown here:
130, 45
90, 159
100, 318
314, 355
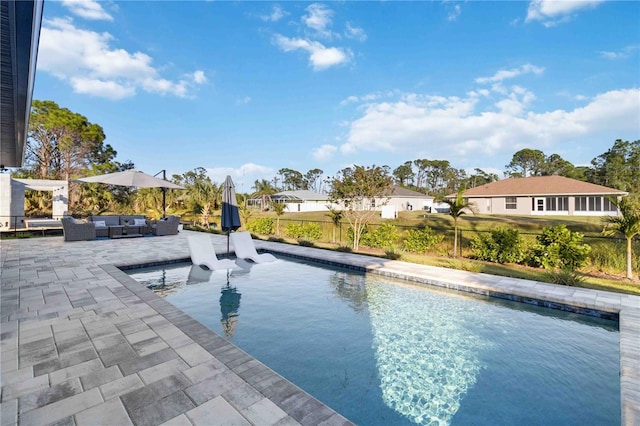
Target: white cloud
454, 13
320, 56
87, 61
512, 73
243, 101
276, 14
87, 9
324, 152
554, 12
355, 32
446, 127
243, 176
620, 54
319, 17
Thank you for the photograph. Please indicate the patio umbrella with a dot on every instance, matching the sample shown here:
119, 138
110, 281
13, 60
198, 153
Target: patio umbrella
134, 179
230, 220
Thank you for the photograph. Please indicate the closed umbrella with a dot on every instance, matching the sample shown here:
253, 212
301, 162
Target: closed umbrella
230, 220
134, 179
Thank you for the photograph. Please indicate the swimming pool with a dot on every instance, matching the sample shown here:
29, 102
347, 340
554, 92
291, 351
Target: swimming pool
381, 351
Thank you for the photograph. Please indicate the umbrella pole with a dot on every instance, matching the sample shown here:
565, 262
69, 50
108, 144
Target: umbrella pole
228, 242
164, 203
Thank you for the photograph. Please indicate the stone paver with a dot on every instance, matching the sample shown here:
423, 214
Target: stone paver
83, 344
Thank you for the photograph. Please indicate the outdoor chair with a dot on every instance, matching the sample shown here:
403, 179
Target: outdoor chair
202, 253
245, 249
77, 231
168, 226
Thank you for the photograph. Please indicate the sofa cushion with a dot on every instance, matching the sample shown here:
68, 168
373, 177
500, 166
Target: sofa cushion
110, 220
139, 222
100, 224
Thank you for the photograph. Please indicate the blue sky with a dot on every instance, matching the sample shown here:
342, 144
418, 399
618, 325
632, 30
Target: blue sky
248, 88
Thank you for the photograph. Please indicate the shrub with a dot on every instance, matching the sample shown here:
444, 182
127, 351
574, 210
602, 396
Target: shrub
305, 243
261, 225
307, 231
421, 240
502, 245
558, 247
564, 277
383, 236
276, 239
392, 254
344, 249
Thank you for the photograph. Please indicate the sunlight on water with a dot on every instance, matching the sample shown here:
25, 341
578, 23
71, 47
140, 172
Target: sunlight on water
427, 359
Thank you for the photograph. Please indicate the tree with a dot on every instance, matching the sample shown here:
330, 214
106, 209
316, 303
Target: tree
62, 143
404, 174
357, 189
479, 178
556, 165
313, 180
618, 168
526, 162
292, 180
336, 217
627, 224
457, 207
265, 189
279, 209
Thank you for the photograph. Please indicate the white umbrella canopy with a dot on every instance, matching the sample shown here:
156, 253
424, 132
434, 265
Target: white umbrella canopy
131, 178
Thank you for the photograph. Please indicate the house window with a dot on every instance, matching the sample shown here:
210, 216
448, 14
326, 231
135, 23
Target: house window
558, 204
511, 203
540, 202
595, 204
609, 206
581, 204
551, 204
563, 204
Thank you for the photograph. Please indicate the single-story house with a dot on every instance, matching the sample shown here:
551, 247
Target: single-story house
543, 195
298, 201
405, 199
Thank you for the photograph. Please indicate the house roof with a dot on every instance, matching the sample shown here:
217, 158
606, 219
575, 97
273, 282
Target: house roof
398, 191
539, 185
20, 27
302, 195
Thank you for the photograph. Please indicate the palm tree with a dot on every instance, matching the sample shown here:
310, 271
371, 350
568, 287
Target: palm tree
205, 194
279, 209
628, 224
336, 217
457, 207
265, 189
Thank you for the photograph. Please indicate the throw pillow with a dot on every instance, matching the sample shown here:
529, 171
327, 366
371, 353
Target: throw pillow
100, 224
139, 222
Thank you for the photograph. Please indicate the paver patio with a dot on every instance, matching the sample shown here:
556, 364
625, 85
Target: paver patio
84, 344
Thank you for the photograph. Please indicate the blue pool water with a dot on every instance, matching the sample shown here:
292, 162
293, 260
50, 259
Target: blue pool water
385, 352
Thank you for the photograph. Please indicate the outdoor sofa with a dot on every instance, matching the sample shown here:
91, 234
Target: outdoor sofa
128, 224
167, 226
75, 230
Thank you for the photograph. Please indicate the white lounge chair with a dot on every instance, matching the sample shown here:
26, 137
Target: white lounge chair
245, 249
203, 253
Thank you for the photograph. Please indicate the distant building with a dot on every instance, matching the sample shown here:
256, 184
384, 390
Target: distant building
405, 199
298, 201
543, 195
